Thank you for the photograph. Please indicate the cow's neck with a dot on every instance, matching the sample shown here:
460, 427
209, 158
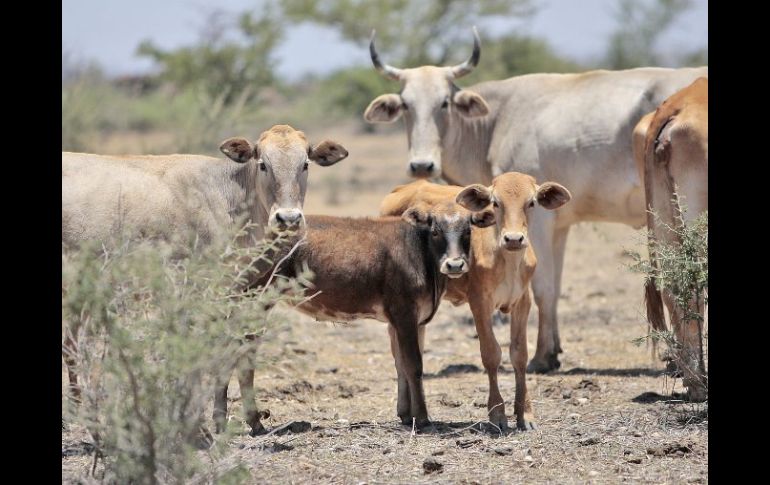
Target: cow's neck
465, 149
244, 205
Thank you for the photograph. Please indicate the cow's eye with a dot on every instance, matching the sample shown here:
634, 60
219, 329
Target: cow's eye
262, 166
403, 105
304, 167
445, 104
434, 232
531, 204
495, 204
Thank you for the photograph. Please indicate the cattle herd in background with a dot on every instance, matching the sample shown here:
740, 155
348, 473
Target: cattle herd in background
525, 158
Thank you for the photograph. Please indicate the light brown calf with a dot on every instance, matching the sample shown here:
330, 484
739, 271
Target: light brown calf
671, 152
501, 265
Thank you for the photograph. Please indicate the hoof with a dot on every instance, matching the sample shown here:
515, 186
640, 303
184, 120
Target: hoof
422, 423
526, 425
541, 366
256, 424
499, 419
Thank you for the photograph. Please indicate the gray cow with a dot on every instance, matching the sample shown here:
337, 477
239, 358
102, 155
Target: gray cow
574, 129
172, 196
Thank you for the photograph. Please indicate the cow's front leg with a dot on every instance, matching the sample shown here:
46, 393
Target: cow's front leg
522, 407
411, 365
491, 356
403, 405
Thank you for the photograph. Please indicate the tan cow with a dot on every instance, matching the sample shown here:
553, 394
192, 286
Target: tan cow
671, 151
191, 196
573, 128
501, 265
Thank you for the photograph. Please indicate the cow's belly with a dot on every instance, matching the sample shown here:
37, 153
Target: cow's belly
329, 313
626, 207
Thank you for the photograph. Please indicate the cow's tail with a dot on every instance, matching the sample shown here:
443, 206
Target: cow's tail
656, 154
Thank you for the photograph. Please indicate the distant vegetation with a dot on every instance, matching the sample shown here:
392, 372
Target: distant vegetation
225, 84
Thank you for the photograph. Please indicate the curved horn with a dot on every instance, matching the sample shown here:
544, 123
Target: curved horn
466, 67
388, 71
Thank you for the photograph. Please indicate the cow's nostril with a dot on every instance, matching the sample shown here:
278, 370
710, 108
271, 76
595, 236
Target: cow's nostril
421, 167
288, 217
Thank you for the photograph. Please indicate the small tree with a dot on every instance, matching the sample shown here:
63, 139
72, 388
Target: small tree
220, 63
415, 32
640, 25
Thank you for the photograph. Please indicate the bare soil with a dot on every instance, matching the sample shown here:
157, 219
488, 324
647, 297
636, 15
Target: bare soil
608, 415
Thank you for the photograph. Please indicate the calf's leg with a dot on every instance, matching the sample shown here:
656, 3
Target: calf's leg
491, 356
522, 407
404, 401
411, 365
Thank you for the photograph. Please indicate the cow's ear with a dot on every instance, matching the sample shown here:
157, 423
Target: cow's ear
417, 216
238, 149
384, 109
474, 197
551, 195
484, 218
327, 153
470, 104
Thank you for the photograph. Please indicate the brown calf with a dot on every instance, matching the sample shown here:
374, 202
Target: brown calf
502, 263
671, 151
390, 269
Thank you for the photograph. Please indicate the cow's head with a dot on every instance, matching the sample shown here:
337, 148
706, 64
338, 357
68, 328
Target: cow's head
449, 227
282, 157
429, 100
513, 196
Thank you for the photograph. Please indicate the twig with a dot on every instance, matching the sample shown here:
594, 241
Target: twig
278, 265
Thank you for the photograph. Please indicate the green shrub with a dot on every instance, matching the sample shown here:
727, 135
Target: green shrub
152, 330
681, 269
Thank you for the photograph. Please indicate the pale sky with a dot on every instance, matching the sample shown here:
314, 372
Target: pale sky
109, 31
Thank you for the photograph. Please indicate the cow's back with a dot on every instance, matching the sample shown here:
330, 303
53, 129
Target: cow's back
421, 191
576, 129
145, 196
361, 265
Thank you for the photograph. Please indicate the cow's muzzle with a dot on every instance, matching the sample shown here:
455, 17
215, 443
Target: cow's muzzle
288, 219
454, 268
514, 241
422, 169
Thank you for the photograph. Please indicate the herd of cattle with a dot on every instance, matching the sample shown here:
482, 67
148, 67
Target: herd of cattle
525, 158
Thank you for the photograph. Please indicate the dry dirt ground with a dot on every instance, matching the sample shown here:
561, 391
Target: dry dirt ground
607, 416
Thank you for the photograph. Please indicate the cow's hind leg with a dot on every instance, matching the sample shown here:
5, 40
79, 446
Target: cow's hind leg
689, 355
250, 410
545, 289
220, 402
